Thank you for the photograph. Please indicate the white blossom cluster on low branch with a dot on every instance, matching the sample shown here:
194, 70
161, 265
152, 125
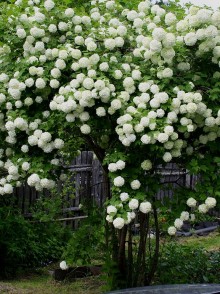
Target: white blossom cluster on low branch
210, 203
142, 85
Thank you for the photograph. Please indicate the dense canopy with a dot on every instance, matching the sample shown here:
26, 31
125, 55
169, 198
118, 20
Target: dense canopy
140, 87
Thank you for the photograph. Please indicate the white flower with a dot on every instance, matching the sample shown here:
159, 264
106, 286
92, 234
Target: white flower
124, 196
155, 46
13, 170
60, 64
133, 204
54, 84
120, 164
128, 82
25, 166
84, 62
112, 167
116, 104
146, 165
63, 54
63, 265
145, 139
167, 73
91, 46
37, 32
32, 140
104, 66
111, 209
69, 12
190, 39
171, 231
178, 223
170, 18
203, 208
8, 189
109, 218
132, 15
135, 185
63, 26
162, 138
24, 148
210, 202
21, 33
100, 111
20, 123
145, 207
85, 129
119, 42
76, 53
55, 161
88, 83
118, 223
29, 82
33, 180
39, 99
191, 202
119, 181
40, 83
191, 107
46, 137
167, 157
58, 143
52, 28
184, 215
158, 34
109, 44
3, 78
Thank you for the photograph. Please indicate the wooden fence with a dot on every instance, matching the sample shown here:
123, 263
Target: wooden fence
88, 184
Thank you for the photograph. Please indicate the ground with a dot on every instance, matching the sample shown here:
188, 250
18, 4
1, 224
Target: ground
43, 283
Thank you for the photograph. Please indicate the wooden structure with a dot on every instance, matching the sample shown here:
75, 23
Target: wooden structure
88, 184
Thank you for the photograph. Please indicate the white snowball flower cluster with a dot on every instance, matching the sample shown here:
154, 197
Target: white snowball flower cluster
119, 165
63, 264
145, 207
130, 80
210, 203
191, 202
172, 231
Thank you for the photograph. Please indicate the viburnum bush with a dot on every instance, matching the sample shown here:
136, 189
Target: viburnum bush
140, 87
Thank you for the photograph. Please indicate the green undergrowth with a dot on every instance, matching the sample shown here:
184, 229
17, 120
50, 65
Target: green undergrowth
194, 259
45, 284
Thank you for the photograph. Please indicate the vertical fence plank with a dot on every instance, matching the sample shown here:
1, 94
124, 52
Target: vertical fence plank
88, 185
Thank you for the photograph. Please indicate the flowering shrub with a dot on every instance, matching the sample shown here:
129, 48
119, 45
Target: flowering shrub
139, 86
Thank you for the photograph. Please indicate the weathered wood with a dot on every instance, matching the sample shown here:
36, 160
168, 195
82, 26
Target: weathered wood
89, 185
62, 219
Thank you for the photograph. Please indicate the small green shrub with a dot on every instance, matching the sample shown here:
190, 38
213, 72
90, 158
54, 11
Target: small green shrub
24, 244
86, 244
180, 264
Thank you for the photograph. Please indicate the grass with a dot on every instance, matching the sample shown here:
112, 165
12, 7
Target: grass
209, 243
43, 283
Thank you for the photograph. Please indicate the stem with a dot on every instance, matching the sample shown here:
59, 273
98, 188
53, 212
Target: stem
157, 248
121, 252
99, 152
130, 258
140, 263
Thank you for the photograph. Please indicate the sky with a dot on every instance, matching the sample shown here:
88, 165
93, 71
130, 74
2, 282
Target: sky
212, 3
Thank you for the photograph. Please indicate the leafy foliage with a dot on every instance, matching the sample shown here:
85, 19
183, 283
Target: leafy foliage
25, 244
181, 264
